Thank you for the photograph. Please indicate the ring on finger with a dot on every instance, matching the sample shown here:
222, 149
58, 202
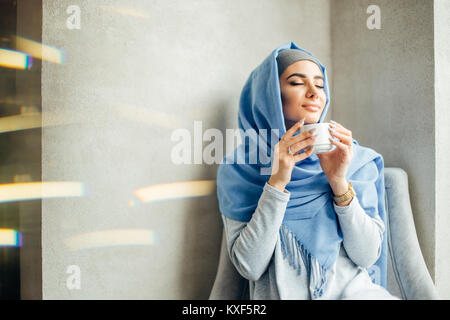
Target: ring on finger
290, 151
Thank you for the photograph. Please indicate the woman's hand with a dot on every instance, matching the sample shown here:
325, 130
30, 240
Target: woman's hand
284, 162
335, 163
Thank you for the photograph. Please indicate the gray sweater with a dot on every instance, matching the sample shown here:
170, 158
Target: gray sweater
255, 250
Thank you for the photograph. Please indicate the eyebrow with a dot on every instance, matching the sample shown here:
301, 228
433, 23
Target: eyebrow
301, 75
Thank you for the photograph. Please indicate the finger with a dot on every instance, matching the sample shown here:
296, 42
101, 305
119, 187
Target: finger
297, 146
292, 130
340, 127
339, 145
345, 138
302, 136
304, 155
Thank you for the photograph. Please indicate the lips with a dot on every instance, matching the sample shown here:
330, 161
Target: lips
311, 107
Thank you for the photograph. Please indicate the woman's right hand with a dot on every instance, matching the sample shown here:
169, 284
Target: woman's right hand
284, 162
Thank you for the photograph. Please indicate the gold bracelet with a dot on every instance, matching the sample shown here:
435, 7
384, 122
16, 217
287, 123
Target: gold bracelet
346, 196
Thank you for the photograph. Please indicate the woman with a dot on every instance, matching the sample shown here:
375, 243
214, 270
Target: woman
313, 228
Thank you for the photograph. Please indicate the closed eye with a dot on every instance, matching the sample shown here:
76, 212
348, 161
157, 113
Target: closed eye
298, 84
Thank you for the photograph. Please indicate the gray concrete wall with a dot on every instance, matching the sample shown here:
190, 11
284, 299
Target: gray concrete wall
134, 72
384, 91
442, 107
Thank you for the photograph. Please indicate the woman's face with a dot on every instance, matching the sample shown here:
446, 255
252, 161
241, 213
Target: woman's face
302, 92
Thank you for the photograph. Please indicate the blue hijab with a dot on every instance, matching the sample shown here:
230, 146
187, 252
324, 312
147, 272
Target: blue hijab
310, 229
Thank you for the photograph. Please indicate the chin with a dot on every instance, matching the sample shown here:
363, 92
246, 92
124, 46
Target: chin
312, 119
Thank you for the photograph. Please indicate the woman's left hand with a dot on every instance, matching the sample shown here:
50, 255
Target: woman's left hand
335, 163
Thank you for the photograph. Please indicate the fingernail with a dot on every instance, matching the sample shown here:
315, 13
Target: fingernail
312, 130
302, 120
332, 130
332, 121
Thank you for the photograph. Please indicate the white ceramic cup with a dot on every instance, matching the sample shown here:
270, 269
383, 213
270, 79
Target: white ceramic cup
322, 143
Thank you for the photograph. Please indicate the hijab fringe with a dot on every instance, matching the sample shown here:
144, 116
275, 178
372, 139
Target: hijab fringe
293, 250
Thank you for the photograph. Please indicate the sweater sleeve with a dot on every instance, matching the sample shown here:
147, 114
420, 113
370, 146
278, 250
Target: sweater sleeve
362, 234
251, 244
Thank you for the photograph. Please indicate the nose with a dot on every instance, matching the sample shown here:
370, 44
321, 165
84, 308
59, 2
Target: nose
312, 91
